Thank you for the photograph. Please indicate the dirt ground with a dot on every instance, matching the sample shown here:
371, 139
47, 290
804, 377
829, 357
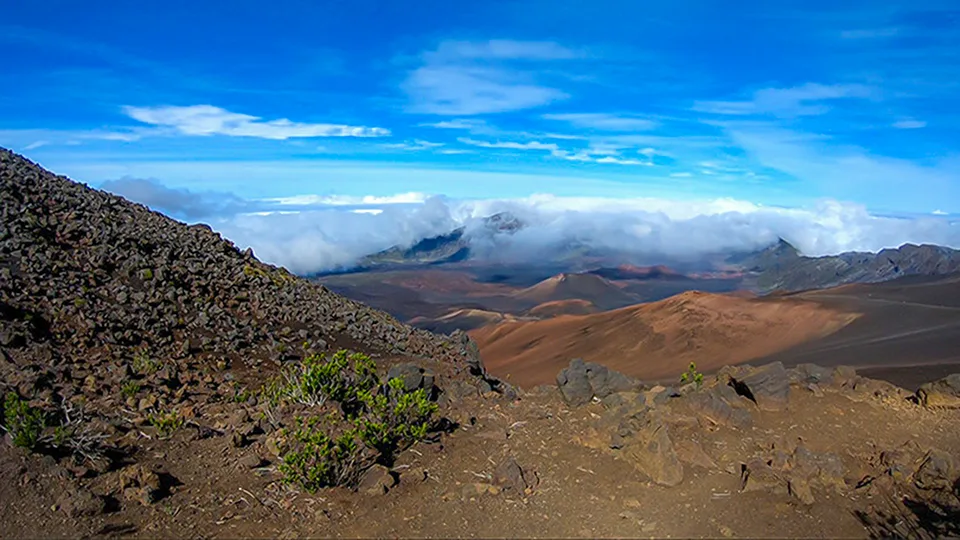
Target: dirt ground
582, 488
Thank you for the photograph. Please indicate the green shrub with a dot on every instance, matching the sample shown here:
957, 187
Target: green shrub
394, 419
315, 460
24, 423
340, 378
166, 423
692, 375
371, 422
143, 364
130, 389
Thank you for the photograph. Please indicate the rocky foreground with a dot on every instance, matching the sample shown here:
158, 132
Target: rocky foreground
146, 344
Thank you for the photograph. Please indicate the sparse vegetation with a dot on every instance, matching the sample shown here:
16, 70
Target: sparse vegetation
341, 378
143, 364
166, 423
316, 460
130, 389
24, 423
372, 420
75, 434
27, 426
692, 375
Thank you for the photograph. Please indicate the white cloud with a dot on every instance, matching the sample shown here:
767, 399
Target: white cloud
797, 101
416, 145
848, 173
458, 123
503, 49
623, 161
604, 122
469, 78
681, 175
36, 144
642, 230
209, 120
939, 213
346, 200
909, 124
531, 145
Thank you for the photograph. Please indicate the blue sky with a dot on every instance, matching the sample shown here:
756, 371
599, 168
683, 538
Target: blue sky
778, 103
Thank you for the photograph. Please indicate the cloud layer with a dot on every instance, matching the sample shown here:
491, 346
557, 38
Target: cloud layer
309, 234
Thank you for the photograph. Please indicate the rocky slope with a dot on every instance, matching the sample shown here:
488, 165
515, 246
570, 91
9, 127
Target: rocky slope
118, 325
782, 267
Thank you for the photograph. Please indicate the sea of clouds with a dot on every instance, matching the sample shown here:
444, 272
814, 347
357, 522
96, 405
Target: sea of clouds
312, 234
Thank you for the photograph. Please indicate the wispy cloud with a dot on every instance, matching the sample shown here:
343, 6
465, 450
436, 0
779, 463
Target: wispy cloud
909, 124
205, 120
604, 121
502, 49
870, 33
848, 172
805, 100
469, 78
416, 145
36, 144
458, 123
347, 200
530, 145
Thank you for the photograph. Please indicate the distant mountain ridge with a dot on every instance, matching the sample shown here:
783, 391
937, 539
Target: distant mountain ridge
782, 267
445, 248
778, 267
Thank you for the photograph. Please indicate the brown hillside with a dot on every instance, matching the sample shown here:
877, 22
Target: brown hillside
656, 340
562, 307
594, 289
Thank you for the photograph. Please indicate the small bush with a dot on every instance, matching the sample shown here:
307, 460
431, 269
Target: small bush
24, 423
395, 419
341, 378
372, 421
692, 375
75, 435
130, 389
143, 364
166, 423
316, 460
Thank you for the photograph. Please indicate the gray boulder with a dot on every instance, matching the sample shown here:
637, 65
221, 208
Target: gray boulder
769, 386
581, 381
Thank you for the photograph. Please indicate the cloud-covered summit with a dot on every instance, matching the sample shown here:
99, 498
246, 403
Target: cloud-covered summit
309, 234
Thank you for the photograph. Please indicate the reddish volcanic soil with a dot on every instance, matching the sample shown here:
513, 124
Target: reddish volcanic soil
658, 340
563, 307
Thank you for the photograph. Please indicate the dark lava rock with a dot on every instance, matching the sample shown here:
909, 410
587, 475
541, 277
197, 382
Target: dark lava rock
80, 502
581, 381
377, 481
769, 386
510, 475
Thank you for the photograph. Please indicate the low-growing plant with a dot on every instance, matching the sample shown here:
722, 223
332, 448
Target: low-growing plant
166, 423
372, 420
24, 423
316, 460
75, 434
143, 364
692, 375
240, 393
394, 418
130, 389
340, 377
